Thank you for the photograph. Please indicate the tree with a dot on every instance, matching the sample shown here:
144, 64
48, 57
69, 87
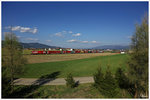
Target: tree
109, 85
6, 85
12, 58
98, 79
138, 61
70, 82
105, 84
122, 80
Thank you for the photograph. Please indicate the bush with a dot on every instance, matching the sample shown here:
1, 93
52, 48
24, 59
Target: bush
121, 78
105, 84
109, 85
70, 82
98, 78
6, 84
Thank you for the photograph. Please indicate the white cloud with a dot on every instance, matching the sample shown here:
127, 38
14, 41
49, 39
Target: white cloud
23, 29
16, 28
34, 30
78, 34
48, 40
58, 34
94, 42
32, 39
78, 41
64, 33
84, 42
27, 29
72, 41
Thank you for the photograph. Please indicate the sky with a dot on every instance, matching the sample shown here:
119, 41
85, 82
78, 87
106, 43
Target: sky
73, 24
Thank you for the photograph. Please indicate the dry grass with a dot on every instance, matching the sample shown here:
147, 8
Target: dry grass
62, 57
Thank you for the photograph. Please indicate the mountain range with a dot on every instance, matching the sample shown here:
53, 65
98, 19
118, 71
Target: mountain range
39, 45
36, 45
118, 47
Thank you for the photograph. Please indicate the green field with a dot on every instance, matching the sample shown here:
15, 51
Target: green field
79, 68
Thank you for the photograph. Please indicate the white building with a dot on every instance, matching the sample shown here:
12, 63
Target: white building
122, 52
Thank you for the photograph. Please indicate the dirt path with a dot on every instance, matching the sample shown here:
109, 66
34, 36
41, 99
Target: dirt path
58, 81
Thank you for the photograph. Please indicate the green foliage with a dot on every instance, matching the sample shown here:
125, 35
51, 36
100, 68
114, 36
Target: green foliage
109, 85
6, 84
12, 57
12, 61
57, 91
138, 61
70, 82
98, 79
106, 84
122, 79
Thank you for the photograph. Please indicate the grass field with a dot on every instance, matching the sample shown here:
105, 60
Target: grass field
79, 67
62, 57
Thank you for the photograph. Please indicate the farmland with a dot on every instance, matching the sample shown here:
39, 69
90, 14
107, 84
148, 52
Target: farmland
78, 67
62, 57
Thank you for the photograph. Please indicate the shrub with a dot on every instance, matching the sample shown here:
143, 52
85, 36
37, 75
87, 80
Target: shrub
6, 85
98, 78
121, 78
70, 82
109, 87
105, 84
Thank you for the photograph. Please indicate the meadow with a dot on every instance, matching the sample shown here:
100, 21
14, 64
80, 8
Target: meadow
78, 67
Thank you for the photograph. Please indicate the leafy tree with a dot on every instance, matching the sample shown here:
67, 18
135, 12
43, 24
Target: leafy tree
70, 82
138, 61
12, 58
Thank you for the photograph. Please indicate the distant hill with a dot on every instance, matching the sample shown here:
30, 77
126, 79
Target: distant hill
118, 47
36, 45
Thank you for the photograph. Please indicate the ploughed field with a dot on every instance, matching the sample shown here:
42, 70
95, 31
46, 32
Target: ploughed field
78, 67
62, 57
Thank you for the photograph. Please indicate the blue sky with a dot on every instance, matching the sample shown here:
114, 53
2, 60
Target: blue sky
73, 24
